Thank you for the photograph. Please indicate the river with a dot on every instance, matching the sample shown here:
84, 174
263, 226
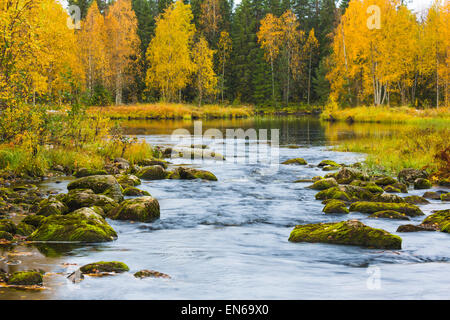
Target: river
229, 239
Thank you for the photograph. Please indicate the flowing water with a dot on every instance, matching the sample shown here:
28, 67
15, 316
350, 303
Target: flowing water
229, 239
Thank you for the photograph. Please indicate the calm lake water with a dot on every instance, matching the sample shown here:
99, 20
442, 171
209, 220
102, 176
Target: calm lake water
229, 239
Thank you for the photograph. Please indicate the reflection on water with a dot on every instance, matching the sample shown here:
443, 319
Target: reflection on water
228, 239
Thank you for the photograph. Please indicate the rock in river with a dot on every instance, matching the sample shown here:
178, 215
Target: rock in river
84, 198
389, 214
152, 173
83, 225
25, 278
410, 175
297, 161
106, 185
324, 184
104, 267
144, 209
372, 207
352, 232
335, 206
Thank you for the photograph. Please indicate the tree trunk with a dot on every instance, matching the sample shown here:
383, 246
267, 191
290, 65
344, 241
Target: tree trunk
119, 88
309, 76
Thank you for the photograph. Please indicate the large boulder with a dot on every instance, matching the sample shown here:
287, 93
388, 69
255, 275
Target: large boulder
191, 174
352, 232
385, 181
409, 175
127, 180
439, 220
372, 207
432, 195
421, 183
416, 200
143, 209
135, 192
106, 185
152, 173
84, 198
8, 225
83, 225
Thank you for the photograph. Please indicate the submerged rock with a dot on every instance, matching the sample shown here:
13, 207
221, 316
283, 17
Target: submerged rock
144, 209
410, 175
389, 214
297, 161
152, 173
106, 185
83, 225
150, 274
191, 174
422, 184
351, 232
335, 206
104, 267
416, 200
414, 228
372, 207
324, 184
25, 278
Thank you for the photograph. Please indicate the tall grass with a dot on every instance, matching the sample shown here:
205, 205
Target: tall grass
171, 111
384, 114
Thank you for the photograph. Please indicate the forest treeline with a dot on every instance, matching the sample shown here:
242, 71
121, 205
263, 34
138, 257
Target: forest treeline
262, 52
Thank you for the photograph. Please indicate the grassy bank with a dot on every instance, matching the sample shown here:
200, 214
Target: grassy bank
294, 109
384, 114
166, 111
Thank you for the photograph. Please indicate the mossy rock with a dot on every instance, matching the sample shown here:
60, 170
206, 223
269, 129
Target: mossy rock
106, 185
368, 185
422, 184
84, 172
445, 196
104, 267
335, 206
330, 168
4, 235
33, 220
150, 274
391, 189
331, 163
316, 178
152, 173
439, 220
416, 200
83, 225
153, 162
432, 195
191, 174
409, 175
85, 198
144, 209
385, 181
387, 197
348, 175
296, 161
24, 229
8, 226
389, 214
26, 278
445, 182
135, 192
324, 184
351, 232
333, 193
357, 193
414, 228
372, 207
51, 206
401, 186
126, 180
304, 181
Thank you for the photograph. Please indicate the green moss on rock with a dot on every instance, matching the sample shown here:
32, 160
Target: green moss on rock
389, 214
150, 274
384, 181
445, 196
33, 220
335, 206
296, 161
135, 192
84, 198
8, 226
83, 225
84, 172
391, 189
106, 185
126, 180
439, 220
372, 207
422, 184
333, 193
432, 195
144, 209
444, 182
325, 163
348, 175
191, 174
152, 173
324, 184
387, 197
4, 235
51, 206
153, 162
104, 267
351, 232
416, 200
24, 229
25, 278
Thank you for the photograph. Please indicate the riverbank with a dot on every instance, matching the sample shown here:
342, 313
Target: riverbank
384, 114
